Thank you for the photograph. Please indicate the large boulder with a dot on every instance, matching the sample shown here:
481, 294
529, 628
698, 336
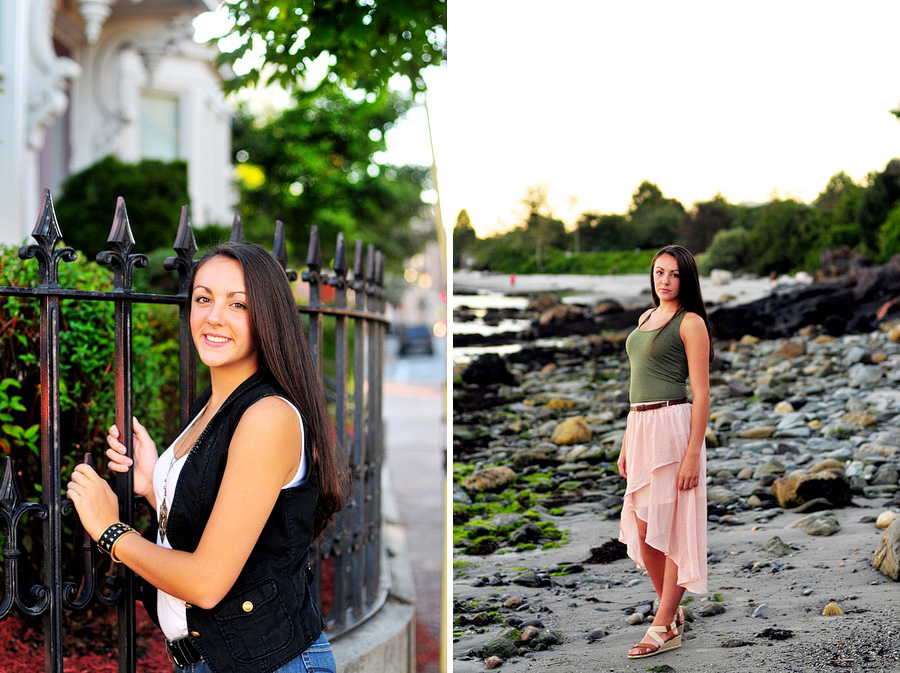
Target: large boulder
887, 555
560, 314
795, 489
486, 370
542, 303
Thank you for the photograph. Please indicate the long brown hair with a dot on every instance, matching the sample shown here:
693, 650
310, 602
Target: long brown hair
284, 353
689, 295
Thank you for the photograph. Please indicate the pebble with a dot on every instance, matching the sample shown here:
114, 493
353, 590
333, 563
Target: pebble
635, 618
761, 611
492, 662
596, 634
832, 609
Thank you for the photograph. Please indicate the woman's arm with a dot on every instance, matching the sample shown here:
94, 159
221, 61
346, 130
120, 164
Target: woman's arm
263, 456
696, 346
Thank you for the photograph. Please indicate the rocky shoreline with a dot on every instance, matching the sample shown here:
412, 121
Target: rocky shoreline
803, 456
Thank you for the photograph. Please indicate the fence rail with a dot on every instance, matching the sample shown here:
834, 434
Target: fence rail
347, 557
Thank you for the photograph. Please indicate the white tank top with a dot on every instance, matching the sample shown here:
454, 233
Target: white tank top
172, 613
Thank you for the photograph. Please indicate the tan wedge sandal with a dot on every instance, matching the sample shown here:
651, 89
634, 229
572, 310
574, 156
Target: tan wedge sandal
661, 645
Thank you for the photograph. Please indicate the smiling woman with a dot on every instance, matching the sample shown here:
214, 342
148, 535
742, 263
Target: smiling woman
253, 478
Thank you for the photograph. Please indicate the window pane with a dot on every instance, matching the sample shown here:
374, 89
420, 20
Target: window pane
159, 127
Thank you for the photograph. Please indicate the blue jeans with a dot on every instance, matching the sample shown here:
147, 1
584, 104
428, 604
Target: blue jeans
316, 659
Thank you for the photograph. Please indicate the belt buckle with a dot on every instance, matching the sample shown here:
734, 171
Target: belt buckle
176, 654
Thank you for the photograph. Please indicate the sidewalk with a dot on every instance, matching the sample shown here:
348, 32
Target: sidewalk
415, 443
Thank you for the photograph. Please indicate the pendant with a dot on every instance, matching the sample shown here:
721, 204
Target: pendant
163, 518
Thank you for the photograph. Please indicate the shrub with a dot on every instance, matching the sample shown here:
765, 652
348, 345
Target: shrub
728, 250
889, 236
154, 192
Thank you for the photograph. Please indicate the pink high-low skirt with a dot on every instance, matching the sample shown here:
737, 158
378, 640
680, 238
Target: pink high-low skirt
655, 442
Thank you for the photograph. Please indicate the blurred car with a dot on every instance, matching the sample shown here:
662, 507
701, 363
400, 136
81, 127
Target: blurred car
415, 339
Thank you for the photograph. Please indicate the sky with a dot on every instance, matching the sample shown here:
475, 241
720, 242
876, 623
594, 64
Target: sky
590, 98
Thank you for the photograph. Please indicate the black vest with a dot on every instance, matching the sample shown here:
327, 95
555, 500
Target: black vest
268, 617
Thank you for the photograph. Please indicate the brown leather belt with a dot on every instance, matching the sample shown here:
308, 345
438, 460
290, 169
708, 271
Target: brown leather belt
657, 405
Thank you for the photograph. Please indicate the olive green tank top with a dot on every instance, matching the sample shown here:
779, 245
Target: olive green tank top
659, 366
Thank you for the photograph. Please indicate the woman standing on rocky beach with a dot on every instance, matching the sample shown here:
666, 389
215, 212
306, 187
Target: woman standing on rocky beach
663, 454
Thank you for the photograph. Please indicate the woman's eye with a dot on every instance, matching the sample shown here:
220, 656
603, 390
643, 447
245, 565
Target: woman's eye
239, 305
201, 300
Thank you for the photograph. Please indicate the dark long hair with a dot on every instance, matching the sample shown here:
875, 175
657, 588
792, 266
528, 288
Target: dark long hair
689, 295
283, 352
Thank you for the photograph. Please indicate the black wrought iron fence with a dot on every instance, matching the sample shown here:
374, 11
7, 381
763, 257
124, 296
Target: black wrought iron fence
347, 560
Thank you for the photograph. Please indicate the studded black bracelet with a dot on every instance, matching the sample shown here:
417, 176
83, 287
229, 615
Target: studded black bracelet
111, 535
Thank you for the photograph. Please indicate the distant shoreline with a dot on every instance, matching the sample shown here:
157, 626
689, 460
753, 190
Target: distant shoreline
628, 289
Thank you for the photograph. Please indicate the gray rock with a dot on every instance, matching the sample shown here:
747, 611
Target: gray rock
772, 467
797, 432
886, 474
596, 634
856, 354
461, 497
504, 645
814, 505
842, 453
735, 642
505, 519
528, 578
864, 376
710, 608
777, 546
819, 523
738, 388
530, 532
730, 520
635, 618
721, 494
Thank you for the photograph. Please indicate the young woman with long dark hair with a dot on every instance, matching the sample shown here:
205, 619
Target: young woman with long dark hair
252, 479
663, 456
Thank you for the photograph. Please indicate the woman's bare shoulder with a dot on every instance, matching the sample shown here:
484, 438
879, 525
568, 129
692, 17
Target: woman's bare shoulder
693, 324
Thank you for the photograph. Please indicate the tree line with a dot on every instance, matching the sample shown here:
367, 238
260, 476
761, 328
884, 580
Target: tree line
784, 235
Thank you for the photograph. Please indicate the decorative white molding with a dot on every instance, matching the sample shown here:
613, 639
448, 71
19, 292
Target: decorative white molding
48, 73
167, 39
95, 13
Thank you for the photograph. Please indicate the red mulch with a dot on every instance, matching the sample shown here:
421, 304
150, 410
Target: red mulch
428, 649
90, 644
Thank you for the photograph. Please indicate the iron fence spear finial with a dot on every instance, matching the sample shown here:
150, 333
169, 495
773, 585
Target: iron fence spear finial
237, 229
121, 240
185, 248
47, 233
279, 250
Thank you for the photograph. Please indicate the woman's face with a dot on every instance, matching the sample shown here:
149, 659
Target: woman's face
220, 321
666, 280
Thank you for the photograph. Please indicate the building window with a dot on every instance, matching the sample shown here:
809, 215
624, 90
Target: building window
159, 126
